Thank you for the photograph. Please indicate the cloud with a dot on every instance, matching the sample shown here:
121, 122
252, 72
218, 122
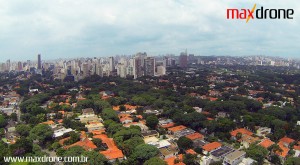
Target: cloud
67, 28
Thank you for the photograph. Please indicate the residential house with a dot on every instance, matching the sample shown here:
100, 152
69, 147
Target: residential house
175, 129
141, 124
195, 136
167, 152
220, 153
60, 131
207, 148
88, 111
113, 153
241, 131
166, 123
263, 131
176, 158
246, 140
49, 123
266, 143
125, 118
92, 126
84, 142
234, 158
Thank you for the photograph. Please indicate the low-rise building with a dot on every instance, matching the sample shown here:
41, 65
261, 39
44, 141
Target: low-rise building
61, 131
92, 126
234, 158
207, 148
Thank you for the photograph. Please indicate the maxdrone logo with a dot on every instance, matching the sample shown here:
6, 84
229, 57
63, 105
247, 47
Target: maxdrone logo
260, 13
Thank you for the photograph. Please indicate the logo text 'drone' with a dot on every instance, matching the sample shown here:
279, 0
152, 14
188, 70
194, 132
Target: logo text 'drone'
259, 13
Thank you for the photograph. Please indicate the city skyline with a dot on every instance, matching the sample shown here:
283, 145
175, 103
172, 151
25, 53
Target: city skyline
68, 29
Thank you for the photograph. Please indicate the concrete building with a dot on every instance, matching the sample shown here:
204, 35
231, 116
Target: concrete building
234, 158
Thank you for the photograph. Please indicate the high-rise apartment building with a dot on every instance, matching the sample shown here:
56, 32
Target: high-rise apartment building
139, 64
111, 64
183, 60
149, 65
39, 62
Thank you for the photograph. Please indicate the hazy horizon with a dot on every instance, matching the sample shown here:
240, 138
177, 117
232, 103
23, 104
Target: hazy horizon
91, 28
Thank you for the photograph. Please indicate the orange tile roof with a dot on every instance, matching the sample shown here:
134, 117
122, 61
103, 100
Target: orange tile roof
85, 144
205, 113
191, 151
296, 147
125, 118
127, 106
177, 128
60, 120
286, 140
98, 132
209, 118
123, 115
195, 136
211, 146
61, 142
266, 143
284, 151
49, 122
171, 160
62, 112
113, 152
168, 125
242, 131
180, 163
213, 99
139, 116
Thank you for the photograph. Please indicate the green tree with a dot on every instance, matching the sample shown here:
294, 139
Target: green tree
41, 132
190, 159
144, 152
23, 129
292, 161
14, 116
74, 151
4, 151
3, 121
95, 158
184, 143
129, 145
21, 147
108, 113
55, 146
152, 121
155, 161
257, 153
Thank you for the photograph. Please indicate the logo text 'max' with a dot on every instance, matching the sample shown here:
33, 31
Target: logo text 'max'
260, 13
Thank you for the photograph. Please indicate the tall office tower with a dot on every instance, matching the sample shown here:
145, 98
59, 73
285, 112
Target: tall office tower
39, 62
111, 64
149, 65
161, 70
139, 64
191, 58
183, 60
7, 65
85, 70
121, 70
99, 71
20, 66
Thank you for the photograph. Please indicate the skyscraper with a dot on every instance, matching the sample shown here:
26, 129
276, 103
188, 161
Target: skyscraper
139, 64
111, 64
39, 62
183, 60
149, 66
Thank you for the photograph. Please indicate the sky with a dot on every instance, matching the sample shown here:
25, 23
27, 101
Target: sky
98, 28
